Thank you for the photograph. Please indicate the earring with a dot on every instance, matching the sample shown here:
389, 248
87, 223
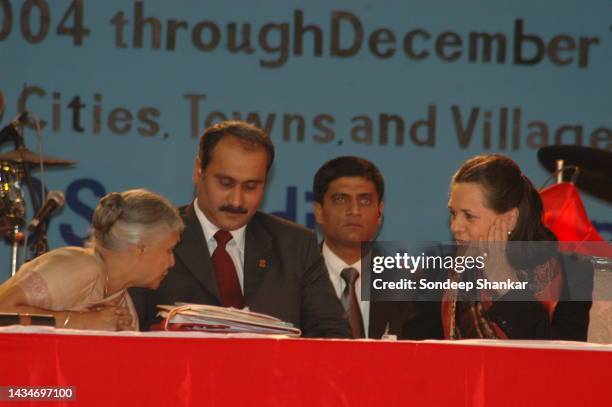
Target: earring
509, 232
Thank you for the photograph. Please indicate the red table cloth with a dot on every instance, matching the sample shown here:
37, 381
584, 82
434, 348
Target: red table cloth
176, 371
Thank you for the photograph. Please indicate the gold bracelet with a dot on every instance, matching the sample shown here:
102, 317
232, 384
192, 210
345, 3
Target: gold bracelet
67, 319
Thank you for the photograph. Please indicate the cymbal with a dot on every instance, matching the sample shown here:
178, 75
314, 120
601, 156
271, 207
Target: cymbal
25, 156
595, 167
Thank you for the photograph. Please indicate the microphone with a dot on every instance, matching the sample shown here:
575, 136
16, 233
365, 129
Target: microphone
55, 200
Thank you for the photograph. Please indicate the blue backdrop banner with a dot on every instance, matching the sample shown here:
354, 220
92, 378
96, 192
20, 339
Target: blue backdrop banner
126, 88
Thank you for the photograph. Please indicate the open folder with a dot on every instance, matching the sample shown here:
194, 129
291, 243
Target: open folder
210, 318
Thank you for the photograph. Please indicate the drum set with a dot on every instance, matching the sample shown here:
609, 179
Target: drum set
15, 172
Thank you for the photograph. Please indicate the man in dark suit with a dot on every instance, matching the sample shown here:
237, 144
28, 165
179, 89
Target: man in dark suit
232, 255
348, 194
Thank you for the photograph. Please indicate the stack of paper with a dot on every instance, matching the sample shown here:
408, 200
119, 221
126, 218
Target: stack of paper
210, 318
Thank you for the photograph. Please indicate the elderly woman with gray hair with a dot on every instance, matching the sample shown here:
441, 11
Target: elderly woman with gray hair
133, 234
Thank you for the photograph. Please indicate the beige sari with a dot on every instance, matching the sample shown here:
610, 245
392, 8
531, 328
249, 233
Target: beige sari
69, 279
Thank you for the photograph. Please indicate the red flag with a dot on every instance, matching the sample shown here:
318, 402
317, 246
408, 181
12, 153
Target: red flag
565, 215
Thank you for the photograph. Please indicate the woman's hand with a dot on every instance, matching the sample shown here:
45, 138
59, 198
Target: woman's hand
102, 318
497, 267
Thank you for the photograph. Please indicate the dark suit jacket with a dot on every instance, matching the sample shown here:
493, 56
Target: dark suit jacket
284, 276
406, 319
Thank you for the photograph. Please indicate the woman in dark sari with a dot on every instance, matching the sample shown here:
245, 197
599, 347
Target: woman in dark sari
492, 203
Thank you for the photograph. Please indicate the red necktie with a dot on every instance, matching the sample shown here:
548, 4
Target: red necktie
350, 303
225, 271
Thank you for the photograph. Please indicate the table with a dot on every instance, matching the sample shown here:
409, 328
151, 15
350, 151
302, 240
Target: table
136, 369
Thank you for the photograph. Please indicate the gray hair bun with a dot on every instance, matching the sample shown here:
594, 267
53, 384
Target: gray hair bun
110, 210
132, 217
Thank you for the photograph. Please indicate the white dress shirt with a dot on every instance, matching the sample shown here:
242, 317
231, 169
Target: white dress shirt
235, 247
335, 265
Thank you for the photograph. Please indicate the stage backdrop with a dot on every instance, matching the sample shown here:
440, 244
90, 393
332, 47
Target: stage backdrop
126, 88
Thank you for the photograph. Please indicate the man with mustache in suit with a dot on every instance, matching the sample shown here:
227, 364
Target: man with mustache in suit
230, 254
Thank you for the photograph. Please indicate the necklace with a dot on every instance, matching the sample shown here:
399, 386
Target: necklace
106, 283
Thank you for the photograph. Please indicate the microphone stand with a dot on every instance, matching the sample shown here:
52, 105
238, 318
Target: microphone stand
16, 236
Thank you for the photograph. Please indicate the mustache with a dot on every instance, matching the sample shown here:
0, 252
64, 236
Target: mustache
240, 210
